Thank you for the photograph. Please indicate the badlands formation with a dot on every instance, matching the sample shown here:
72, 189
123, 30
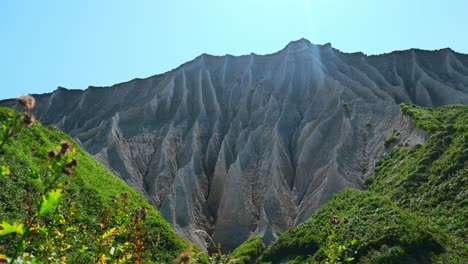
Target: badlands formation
252, 145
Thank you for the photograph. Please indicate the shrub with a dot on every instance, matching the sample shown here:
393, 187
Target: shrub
389, 141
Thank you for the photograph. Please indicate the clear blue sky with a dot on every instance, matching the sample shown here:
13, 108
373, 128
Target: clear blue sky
50, 43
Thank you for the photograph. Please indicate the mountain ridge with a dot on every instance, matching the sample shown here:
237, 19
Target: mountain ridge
255, 54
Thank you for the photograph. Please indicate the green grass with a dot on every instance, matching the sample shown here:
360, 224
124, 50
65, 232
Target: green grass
414, 210
93, 185
248, 251
374, 221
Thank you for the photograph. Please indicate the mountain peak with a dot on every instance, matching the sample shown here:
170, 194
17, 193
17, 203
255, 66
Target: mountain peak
301, 41
304, 43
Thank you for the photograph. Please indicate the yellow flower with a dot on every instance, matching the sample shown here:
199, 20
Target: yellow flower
103, 258
4, 258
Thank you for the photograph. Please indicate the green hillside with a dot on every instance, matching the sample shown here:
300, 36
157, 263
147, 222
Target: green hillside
413, 211
101, 202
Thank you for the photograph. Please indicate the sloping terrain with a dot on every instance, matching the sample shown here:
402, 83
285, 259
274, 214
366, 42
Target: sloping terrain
92, 189
252, 145
414, 210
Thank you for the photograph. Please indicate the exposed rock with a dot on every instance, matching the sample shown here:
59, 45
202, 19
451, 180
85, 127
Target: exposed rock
251, 145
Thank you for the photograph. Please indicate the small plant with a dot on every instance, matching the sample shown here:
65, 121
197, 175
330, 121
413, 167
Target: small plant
389, 141
215, 254
338, 250
13, 124
345, 108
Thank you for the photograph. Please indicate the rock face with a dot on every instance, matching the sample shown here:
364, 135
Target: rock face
252, 145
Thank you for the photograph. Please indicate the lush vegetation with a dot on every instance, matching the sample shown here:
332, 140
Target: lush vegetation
414, 208
59, 205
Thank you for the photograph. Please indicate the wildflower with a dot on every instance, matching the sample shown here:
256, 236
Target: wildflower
28, 119
65, 147
112, 250
27, 101
103, 258
52, 154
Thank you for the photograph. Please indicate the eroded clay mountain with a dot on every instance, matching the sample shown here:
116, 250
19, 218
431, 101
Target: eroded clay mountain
252, 145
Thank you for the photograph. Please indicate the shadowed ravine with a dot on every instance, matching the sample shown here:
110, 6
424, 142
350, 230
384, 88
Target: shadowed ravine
254, 144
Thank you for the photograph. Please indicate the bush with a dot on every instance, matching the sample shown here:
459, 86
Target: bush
389, 141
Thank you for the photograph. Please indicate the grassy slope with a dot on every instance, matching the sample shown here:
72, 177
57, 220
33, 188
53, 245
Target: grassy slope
415, 208
94, 185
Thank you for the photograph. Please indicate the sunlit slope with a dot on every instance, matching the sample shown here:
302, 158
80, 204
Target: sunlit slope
92, 187
414, 210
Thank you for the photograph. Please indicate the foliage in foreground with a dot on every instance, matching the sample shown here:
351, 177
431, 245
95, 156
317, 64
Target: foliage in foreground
414, 210
52, 213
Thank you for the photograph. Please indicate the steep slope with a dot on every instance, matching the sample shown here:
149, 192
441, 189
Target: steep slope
252, 145
94, 186
414, 211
